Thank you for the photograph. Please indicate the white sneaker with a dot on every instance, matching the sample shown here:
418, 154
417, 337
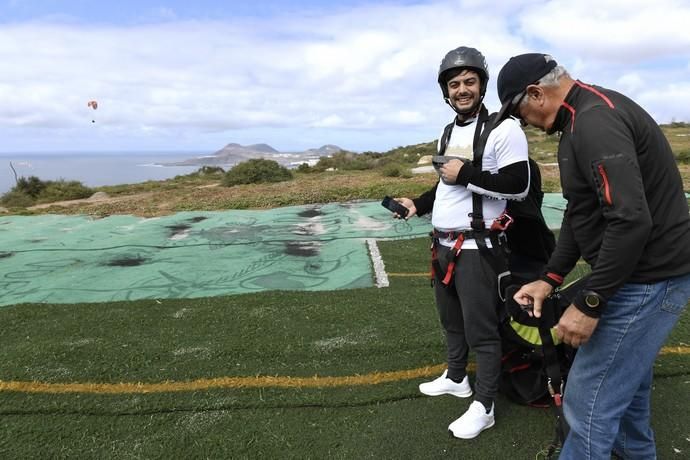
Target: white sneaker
472, 422
444, 385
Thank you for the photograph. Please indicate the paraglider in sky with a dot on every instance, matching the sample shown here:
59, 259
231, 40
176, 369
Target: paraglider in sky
93, 105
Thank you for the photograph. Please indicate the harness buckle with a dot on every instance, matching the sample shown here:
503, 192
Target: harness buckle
557, 397
501, 223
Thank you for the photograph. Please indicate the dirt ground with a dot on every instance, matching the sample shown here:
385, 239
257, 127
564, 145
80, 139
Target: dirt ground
96, 198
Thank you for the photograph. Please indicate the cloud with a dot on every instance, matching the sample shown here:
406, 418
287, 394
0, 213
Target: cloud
346, 76
630, 82
636, 47
608, 31
330, 121
669, 103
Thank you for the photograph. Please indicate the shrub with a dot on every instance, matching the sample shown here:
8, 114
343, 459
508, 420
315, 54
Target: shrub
210, 170
63, 190
32, 190
683, 156
16, 199
348, 161
256, 171
305, 168
396, 170
205, 173
31, 186
359, 163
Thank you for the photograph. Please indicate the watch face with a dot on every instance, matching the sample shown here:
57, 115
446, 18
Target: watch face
592, 301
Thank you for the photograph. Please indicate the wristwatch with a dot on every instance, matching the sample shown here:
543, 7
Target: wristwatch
592, 299
590, 303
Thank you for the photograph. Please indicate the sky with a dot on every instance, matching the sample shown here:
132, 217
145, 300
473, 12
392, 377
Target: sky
298, 74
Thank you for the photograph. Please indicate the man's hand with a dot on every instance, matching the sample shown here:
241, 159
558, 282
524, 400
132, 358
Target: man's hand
449, 171
575, 328
409, 204
533, 294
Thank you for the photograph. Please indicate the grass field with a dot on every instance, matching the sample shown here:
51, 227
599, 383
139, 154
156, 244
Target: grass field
271, 375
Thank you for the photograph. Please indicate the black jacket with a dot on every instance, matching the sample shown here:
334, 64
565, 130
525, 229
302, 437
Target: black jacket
627, 215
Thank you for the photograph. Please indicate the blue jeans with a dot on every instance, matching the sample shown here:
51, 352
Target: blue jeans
607, 397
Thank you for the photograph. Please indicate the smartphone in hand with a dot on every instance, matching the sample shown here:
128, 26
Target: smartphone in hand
394, 206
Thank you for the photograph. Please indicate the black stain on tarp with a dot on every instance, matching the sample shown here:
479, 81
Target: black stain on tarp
6, 255
126, 262
301, 249
177, 229
314, 212
313, 267
180, 229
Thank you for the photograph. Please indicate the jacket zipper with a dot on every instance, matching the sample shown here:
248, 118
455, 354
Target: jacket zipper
607, 188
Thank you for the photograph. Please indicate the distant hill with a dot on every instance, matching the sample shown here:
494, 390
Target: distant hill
258, 147
234, 153
328, 149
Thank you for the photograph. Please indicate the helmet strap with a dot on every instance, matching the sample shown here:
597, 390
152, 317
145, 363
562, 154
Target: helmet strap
466, 115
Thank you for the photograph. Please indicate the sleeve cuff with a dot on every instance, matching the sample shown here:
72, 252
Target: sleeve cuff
418, 203
552, 278
465, 174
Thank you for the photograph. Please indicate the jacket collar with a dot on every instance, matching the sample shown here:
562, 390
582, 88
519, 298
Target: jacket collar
565, 117
580, 94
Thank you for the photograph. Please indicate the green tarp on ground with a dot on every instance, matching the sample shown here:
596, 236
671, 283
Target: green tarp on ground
75, 259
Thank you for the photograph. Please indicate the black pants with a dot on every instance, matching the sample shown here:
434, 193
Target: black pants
469, 316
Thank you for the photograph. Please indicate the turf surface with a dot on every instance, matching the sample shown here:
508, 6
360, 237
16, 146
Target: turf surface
277, 334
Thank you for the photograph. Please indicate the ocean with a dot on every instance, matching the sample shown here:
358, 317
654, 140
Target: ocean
94, 169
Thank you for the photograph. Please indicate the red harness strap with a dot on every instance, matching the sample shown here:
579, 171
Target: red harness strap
457, 247
500, 224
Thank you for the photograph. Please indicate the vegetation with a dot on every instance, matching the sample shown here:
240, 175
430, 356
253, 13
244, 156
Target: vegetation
396, 170
263, 183
32, 190
208, 171
678, 135
402, 157
257, 171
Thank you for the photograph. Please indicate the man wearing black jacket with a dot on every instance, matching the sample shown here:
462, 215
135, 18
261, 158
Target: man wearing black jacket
627, 217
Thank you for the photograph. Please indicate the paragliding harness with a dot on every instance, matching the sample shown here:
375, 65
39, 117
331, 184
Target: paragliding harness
496, 258
522, 240
534, 363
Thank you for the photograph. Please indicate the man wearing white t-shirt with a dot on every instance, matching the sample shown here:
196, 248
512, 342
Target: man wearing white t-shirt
465, 276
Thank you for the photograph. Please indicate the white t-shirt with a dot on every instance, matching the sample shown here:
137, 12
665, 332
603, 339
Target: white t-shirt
505, 145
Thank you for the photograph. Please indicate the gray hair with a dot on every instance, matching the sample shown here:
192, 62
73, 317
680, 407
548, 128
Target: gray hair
549, 80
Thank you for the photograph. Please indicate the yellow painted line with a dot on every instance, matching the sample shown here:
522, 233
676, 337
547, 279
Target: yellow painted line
315, 381
225, 382
680, 350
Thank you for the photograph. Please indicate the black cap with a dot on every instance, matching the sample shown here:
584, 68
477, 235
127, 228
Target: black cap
517, 74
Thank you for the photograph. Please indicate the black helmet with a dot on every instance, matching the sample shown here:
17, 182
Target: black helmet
464, 57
